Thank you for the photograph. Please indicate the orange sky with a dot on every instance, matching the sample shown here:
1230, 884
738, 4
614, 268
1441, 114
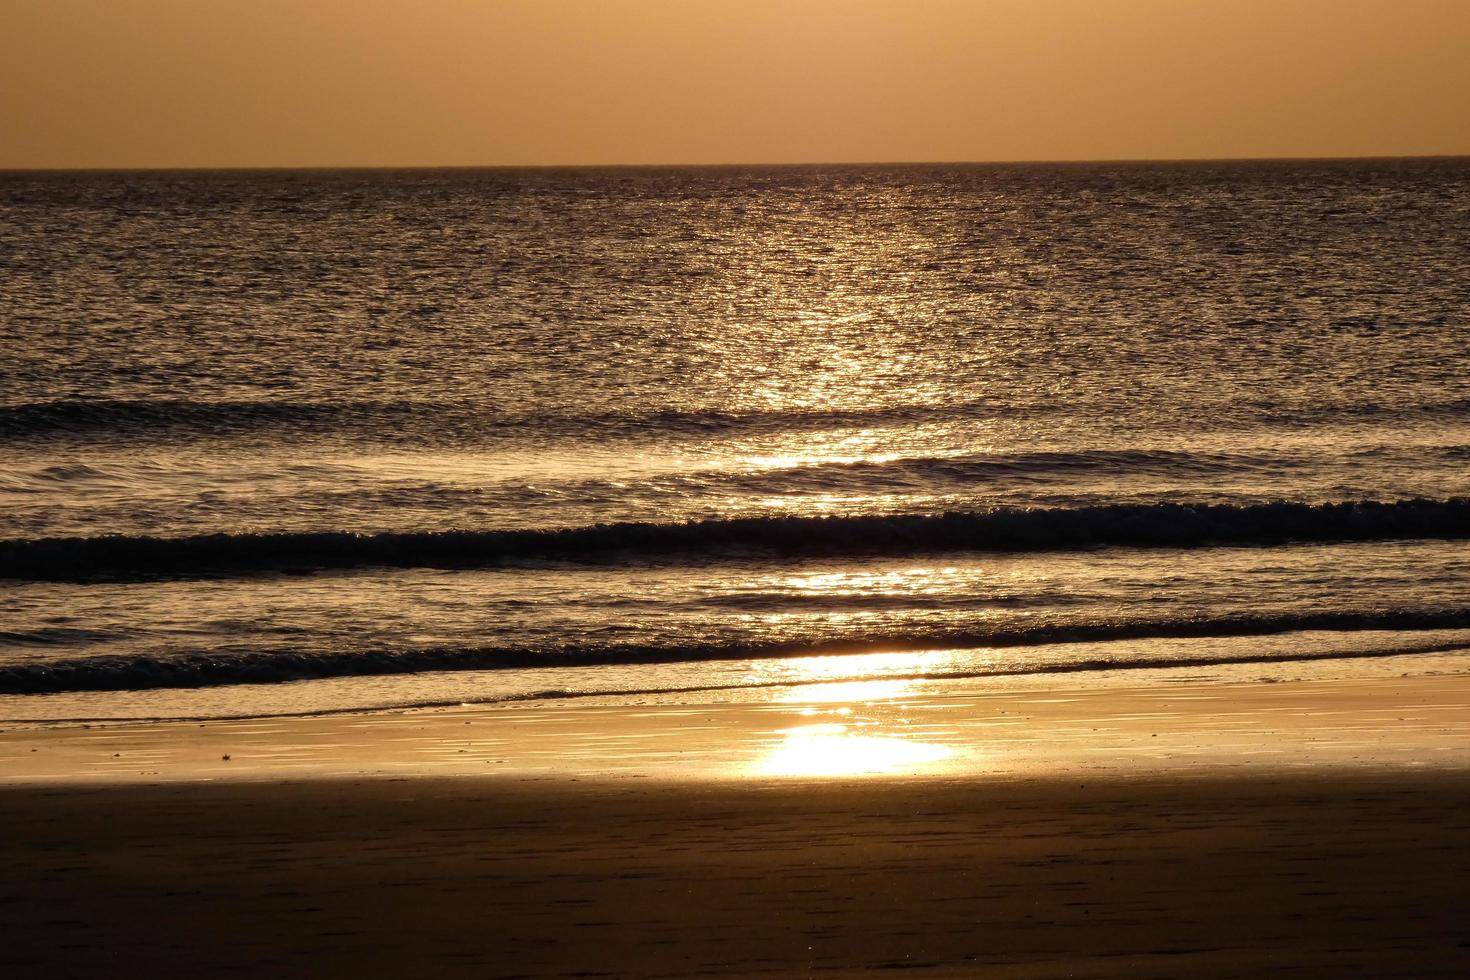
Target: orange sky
137, 83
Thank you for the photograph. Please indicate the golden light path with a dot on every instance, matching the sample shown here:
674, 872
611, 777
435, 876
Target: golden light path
858, 727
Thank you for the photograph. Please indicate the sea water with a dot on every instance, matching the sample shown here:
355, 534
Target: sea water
301, 440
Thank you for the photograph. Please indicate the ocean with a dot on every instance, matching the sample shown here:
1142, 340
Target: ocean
277, 442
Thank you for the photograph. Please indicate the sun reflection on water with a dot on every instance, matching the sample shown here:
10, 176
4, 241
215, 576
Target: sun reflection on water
791, 461
868, 733
848, 691
810, 672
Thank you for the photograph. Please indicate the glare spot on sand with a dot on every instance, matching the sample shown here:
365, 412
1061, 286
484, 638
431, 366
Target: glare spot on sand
831, 750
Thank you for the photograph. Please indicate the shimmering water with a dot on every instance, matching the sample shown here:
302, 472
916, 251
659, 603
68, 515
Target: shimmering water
267, 426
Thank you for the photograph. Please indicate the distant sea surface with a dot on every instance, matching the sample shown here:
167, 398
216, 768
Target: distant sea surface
553, 431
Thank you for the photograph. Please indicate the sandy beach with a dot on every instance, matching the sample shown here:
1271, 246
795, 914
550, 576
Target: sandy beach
1316, 828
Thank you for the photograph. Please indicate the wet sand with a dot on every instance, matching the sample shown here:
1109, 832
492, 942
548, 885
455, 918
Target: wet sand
1362, 875
1107, 855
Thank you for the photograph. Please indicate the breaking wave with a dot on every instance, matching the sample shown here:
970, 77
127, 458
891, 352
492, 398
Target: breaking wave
178, 418
453, 422
262, 667
1160, 525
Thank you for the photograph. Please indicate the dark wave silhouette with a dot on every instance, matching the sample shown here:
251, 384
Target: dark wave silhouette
436, 421
201, 670
984, 468
955, 469
162, 416
1009, 530
148, 418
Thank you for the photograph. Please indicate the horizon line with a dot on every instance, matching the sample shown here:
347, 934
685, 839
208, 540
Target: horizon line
1068, 161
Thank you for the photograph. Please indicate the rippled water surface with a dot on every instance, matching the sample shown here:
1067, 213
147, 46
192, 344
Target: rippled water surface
262, 426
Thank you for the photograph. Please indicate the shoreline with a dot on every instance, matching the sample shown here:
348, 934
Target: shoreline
883, 727
1310, 655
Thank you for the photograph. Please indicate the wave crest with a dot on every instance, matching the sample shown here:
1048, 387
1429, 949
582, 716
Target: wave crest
1162, 525
261, 667
454, 421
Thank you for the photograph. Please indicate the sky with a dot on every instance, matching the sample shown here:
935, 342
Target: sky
226, 83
